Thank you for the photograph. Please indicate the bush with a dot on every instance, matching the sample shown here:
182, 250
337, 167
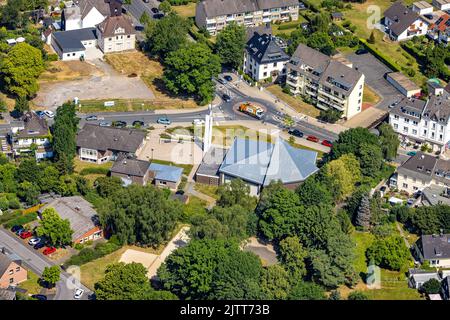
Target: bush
402, 213
357, 295
287, 89
52, 57
432, 286
94, 170
21, 220
88, 254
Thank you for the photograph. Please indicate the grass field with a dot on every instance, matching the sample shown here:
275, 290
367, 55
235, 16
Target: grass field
370, 96
151, 72
319, 153
80, 165
287, 27
120, 105
32, 284
295, 102
207, 189
187, 10
68, 70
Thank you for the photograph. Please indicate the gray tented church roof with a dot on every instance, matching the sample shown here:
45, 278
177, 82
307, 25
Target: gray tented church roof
261, 162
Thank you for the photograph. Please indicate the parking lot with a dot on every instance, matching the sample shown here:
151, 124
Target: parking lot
374, 71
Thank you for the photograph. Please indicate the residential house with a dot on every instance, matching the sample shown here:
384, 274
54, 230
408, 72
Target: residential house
422, 7
327, 82
403, 23
31, 133
116, 33
440, 30
214, 15
11, 271
403, 84
165, 176
264, 58
421, 121
131, 170
435, 195
441, 4
72, 45
435, 249
82, 216
258, 163
85, 14
100, 144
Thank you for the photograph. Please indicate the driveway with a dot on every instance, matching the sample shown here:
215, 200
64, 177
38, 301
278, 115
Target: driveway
111, 85
36, 263
374, 71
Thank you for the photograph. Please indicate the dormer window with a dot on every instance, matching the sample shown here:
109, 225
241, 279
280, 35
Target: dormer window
420, 168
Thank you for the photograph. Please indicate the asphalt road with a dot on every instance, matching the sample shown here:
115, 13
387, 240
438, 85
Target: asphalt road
37, 263
138, 7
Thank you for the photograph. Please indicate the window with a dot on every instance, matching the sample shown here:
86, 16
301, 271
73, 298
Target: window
274, 64
405, 185
265, 74
11, 280
128, 36
395, 126
11, 271
396, 116
414, 131
406, 120
110, 39
415, 188
17, 269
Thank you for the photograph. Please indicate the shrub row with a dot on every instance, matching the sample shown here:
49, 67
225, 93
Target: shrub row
21, 220
89, 254
94, 170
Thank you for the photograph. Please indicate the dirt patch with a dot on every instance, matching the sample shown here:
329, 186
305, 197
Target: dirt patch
146, 259
150, 71
69, 70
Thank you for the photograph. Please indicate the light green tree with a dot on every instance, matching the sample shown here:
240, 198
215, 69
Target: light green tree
57, 230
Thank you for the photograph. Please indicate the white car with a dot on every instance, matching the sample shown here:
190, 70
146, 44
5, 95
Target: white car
198, 122
49, 113
34, 241
78, 293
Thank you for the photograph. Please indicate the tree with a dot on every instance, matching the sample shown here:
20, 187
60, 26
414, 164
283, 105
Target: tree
51, 275
371, 38
65, 130
57, 230
29, 193
21, 105
330, 115
370, 158
342, 174
167, 34
189, 70
128, 282
313, 192
432, 286
107, 186
29, 170
237, 192
321, 41
320, 22
292, 255
165, 7
145, 18
344, 221
20, 69
390, 253
49, 180
141, 215
307, 291
334, 295
350, 141
363, 216
230, 44
279, 211
389, 141
212, 269
275, 283
357, 295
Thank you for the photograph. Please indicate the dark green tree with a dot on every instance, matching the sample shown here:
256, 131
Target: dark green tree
357, 295
51, 275
432, 286
307, 291
230, 44
275, 283
312, 192
389, 141
21, 105
363, 215
292, 255
390, 253
237, 192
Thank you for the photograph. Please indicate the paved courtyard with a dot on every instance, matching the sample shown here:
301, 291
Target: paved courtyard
111, 85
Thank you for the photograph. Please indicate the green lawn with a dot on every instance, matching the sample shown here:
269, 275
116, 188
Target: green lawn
295, 102
32, 284
207, 189
287, 27
187, 10
121, 105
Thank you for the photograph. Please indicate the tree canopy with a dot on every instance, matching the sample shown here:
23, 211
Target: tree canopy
57, 230
230, 44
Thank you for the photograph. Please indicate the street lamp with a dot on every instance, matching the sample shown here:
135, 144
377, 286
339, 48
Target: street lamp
152, 153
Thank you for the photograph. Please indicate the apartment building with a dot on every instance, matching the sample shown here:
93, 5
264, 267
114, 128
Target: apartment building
215, 15
264, 57
421, 121
327, 82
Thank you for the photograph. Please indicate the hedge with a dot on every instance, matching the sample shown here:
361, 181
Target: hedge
89, 254
22, 220
380, 56
94, 170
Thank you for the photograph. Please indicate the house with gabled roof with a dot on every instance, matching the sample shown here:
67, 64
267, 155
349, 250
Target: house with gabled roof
435, 249
403, 23
440, 30
11, 270
116, 33
85, 14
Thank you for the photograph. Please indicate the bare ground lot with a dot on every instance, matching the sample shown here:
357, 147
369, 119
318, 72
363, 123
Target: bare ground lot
108, 84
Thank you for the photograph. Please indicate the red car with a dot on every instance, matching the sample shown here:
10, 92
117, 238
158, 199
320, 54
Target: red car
312, 138
327, 143
49, 250
26, 234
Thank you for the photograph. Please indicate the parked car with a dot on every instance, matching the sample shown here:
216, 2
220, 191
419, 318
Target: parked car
163, 120
410, 202
119, 124
40, 114
412, 153
296, 132
39, 297
49, 250
91, 118
104, 124
49, 113
155, 10
78, 293
34, 240
158, 16
146, 1
198, 122
138, 123
16, 228
222, 80
39, 245
327, 143
139, 28
228, 78
361, 51
312, 138
226, 98
19, 231
26, 234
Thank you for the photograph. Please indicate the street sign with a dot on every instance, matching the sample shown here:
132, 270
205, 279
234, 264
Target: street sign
108, 103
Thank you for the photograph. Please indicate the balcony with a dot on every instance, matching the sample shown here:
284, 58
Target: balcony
331, 103
331, 96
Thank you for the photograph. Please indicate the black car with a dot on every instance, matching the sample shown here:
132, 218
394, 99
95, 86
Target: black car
16, 228
228, 78
119, 124
138, 123
39, 296
296, 132
155, 10
158, 16
39, 245
139, 28
226, 98
361, 51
